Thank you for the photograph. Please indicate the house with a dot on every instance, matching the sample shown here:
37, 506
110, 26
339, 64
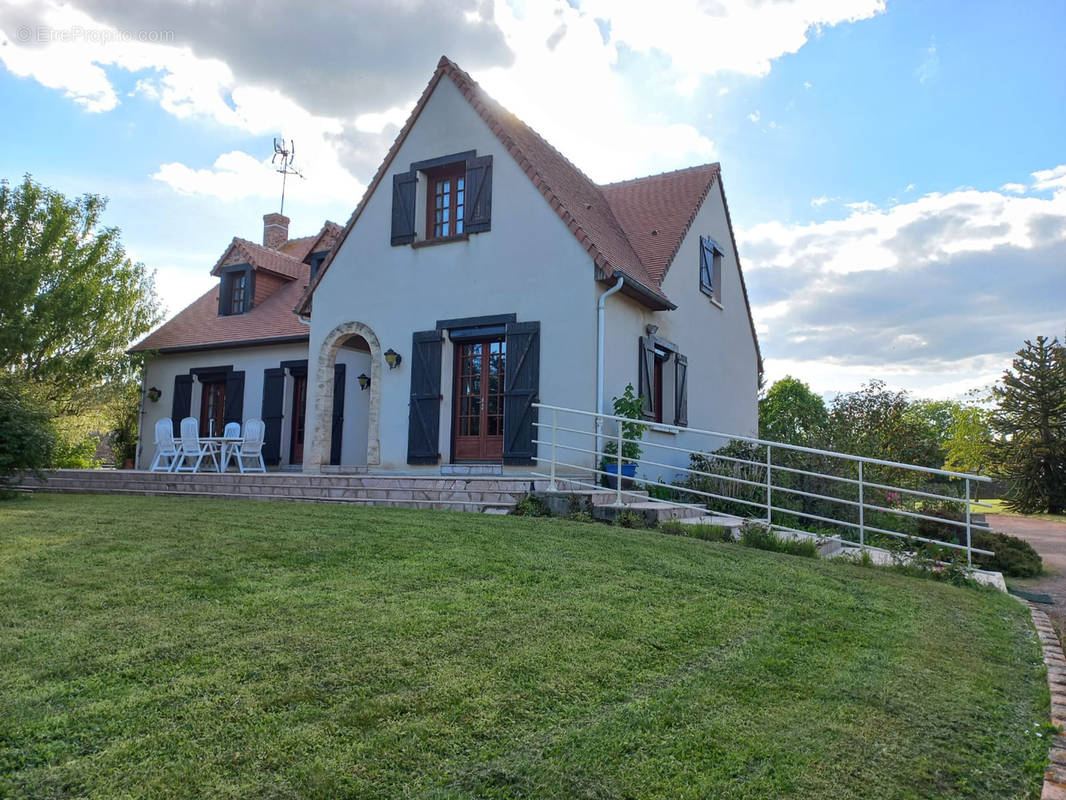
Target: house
466, 286
239, 351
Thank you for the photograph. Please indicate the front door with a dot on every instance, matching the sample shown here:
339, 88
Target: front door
478, 424
213, 408
299, 412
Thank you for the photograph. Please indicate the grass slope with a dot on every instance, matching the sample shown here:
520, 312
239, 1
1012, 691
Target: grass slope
164, 648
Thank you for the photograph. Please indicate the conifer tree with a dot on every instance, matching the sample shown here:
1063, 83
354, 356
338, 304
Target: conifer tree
1031, 423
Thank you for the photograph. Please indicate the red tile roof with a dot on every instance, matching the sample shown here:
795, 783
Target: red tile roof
199, 325
657, 211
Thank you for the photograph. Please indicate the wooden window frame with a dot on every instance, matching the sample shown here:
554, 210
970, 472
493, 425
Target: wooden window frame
238, 302
455, 204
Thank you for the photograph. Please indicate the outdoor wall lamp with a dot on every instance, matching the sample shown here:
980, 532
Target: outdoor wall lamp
364, 381
392, 358
154, 394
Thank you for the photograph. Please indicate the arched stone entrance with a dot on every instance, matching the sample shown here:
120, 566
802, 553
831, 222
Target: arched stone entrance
322, 413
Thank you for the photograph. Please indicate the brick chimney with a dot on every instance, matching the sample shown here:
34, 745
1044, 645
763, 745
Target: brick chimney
275, 230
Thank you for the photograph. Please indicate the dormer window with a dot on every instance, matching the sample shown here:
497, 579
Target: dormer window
238, 293
236, 290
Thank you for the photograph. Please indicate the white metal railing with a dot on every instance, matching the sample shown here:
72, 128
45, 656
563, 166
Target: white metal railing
757, 476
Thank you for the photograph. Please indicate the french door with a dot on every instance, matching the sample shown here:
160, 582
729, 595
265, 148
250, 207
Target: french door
477, 428
299, 409
213, 408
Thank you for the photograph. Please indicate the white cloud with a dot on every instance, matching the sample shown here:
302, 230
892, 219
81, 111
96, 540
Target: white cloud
930, 66
910, 187
639, 143
818, 202
863, 206
754, 115
1014, 188
1050, 179
807, 85
932, 295
327, 98
746, 36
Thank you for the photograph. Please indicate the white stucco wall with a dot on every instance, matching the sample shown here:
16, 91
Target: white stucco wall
356, 403
718, 342
161, 371
529, 264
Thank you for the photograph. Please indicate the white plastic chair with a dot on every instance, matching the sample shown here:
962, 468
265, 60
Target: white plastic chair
232, 431
191, 449
252, 447
166, 452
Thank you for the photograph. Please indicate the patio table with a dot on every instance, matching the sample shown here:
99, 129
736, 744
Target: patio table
226, 446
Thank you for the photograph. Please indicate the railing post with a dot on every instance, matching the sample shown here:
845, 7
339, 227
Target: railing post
618, 477
555, 433
969, 551
769, 490
862, 510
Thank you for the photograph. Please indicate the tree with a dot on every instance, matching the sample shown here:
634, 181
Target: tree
26, 436
969, 438
72, 301
879, 423
1030, 420
791, 413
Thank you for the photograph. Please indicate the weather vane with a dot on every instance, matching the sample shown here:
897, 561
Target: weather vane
283, 156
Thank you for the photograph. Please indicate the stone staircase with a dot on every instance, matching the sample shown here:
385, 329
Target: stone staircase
600, 503
488, 494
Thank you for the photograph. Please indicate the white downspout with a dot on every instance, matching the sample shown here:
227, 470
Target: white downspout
601, 324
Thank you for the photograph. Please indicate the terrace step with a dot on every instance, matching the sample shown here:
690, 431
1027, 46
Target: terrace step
652, 512
481, 494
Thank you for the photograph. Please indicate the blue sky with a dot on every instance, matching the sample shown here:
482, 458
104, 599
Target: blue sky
896, 171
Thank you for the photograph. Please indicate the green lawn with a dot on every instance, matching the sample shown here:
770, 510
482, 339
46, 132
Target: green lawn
997, 507
164, 648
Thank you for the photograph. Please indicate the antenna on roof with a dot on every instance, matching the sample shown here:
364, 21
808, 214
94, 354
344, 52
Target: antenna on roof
283, 156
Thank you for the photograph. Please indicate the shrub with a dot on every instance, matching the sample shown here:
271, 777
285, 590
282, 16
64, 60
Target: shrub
661, 492
708, 533
762, 537
27, 439
531, 506
72, 452
628, 518
712, 484
1013, 556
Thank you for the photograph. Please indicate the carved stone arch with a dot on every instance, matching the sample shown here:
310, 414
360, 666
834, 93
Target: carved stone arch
322, 414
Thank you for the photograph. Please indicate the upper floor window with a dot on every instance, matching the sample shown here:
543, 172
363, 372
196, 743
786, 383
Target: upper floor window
442, 198
447, 200
238, 293
236, 290
711, 268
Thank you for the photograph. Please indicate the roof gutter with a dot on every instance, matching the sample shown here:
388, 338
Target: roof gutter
653, 300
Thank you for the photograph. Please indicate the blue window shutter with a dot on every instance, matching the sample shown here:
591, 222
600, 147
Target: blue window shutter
479, 194
273, 400
182, 405
680, 390
521, 389
423, 428
403, 207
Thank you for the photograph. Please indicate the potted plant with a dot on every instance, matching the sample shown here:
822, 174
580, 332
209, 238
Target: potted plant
632, 408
